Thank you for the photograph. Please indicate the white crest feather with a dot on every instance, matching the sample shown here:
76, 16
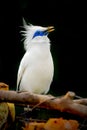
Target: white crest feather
26, 33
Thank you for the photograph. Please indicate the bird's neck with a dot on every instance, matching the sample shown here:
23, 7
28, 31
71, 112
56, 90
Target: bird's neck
43, 44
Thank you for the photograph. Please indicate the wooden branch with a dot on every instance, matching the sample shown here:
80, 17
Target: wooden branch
81, 101
64, 103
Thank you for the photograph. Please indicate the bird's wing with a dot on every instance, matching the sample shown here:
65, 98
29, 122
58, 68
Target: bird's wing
20, 74
23, 65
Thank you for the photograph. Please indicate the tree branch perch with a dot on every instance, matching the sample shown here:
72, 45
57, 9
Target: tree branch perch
64, 103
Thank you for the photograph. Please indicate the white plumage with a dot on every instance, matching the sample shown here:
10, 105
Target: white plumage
36, 68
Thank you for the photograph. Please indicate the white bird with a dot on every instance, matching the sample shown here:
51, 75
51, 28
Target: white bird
36, 69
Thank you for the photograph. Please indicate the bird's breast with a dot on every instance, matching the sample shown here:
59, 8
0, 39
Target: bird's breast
39, 77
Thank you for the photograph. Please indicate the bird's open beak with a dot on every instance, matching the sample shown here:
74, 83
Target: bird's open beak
50, 29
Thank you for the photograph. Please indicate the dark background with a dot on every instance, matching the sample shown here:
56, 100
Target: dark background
68, 41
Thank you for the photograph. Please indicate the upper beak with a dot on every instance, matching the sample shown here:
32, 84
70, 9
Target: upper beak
50, 29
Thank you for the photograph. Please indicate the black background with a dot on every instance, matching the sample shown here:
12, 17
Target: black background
68, 41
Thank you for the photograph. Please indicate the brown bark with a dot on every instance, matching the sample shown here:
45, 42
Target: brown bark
64, 103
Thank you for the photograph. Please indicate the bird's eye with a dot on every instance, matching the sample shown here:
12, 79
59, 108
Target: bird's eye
38, 33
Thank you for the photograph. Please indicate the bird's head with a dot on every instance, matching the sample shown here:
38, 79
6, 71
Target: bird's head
42, 31
35, 33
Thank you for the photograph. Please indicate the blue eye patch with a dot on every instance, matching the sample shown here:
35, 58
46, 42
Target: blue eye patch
40, 33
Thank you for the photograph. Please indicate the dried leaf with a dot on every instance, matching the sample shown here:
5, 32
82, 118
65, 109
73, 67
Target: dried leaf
3, 113
61, 124
34, 126
10, 106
